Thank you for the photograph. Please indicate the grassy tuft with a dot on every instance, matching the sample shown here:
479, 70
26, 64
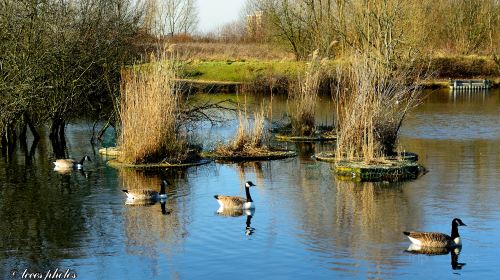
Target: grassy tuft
304, 96
372, 103
149, 111
239, 71
248, 141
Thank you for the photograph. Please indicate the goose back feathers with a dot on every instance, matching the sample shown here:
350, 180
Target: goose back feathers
436, 239
70, 163
236, 202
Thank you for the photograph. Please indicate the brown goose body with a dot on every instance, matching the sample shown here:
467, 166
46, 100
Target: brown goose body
231, 202
141, 194
436, 239
431, 239
147, 194
70, 163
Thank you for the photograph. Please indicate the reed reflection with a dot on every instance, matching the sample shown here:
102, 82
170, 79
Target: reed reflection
351, 220
255, 167
368, 210
147, 222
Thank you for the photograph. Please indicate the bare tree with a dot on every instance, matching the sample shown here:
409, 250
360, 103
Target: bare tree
175, 16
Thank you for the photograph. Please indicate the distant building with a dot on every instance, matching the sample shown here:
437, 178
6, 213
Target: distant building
256, 26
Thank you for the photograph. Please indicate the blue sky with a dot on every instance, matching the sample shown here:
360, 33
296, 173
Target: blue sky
214, 13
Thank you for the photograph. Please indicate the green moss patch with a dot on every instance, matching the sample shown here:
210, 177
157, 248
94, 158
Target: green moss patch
239, 157
330, 157
239, 71
388, 170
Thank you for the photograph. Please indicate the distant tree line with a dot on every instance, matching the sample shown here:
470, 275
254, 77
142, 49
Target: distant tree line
397, 26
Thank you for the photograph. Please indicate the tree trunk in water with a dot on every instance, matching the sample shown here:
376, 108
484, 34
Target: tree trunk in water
57, 137
27, 121
9, 139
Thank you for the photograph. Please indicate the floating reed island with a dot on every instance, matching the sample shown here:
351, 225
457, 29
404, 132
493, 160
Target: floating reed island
155, 117
329, 156
320, 134
402, 166
303, 97
373, 100
380, 170
249, 144
256, 155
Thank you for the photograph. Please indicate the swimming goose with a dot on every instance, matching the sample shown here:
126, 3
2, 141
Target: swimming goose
70, 163
436, 239
236, 202
147, 194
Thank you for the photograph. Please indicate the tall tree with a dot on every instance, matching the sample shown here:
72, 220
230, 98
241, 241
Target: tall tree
176, 16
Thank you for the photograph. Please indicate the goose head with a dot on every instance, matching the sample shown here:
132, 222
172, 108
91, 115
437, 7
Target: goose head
249, 184
86, 158
165, 183
458, 222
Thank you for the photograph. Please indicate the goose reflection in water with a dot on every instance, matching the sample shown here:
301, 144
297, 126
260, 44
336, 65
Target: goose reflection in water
149, 202
249, 230
69, 171
434, 251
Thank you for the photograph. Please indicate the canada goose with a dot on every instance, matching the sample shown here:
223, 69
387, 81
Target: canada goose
147, 194
436, 239
236, 202
70, 163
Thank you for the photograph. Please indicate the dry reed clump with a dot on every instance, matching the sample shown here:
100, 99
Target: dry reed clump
149, 110
372, 102
247, 141
304, 96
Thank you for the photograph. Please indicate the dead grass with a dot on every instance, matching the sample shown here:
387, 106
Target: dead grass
372, 103
229, 51
303, 97
465, 66
149, 110
249, 140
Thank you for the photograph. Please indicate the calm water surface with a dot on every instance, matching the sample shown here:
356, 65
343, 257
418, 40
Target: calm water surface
306, 223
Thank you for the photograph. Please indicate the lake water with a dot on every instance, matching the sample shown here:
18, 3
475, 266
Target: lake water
306, 223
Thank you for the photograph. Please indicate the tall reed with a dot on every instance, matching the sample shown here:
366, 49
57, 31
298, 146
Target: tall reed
249, 139
303, 97
149, 113
372, 102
